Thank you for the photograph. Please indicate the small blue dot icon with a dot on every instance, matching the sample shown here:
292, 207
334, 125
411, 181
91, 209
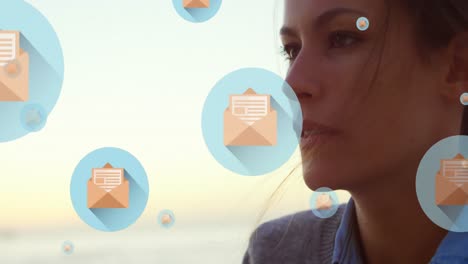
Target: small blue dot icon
464, 99
33, 117
324, 202
68, 248
362, 23
166, 218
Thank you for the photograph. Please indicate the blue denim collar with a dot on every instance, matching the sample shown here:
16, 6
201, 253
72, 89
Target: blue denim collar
453, 249
347, 243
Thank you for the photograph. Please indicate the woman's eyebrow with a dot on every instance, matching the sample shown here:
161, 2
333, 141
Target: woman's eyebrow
332, 13
323, 19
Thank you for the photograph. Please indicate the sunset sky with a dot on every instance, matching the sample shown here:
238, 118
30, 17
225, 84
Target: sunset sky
136, 77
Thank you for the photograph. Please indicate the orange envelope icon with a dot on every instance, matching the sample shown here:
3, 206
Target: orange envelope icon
451, 182
14, 68
250, 121
196, 3
108, 188
323, 202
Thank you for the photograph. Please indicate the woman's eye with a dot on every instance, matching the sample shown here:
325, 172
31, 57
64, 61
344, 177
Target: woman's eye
290, 52
342, 40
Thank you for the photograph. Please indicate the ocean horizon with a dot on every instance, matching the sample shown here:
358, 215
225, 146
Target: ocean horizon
208, 245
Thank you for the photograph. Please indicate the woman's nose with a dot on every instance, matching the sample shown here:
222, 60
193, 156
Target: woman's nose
304, 77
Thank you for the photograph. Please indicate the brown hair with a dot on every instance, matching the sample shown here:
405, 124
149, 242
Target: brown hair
437, 23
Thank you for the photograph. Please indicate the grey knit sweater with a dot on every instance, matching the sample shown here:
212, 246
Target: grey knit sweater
301, 238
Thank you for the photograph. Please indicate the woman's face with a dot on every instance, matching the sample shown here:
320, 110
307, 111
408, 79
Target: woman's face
372, 105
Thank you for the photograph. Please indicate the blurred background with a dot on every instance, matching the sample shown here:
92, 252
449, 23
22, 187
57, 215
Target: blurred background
136, 77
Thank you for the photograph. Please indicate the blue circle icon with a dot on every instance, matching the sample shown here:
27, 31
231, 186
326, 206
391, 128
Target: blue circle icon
33, 117
68, 248
32, 74
362, 23
109, 189
442, 183
464, 99
324, 202
197, 11
166, 219
252, 121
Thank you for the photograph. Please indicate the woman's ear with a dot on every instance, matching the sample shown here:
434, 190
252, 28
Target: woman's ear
457, 78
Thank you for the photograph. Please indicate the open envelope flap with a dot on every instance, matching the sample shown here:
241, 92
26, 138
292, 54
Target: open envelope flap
262, 133
14, 87
120, 195
448, 192
108, 166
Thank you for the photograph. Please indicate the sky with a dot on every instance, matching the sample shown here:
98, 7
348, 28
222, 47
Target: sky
136, 77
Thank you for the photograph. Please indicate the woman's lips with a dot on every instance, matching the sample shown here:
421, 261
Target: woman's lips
315, 133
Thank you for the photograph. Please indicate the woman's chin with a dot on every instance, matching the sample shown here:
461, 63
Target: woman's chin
321, 176
315, 182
